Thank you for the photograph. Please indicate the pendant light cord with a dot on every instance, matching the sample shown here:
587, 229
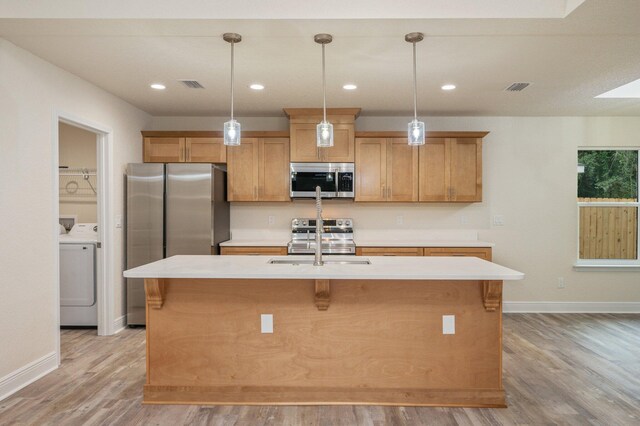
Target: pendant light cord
232, 43
324, 89
415, 85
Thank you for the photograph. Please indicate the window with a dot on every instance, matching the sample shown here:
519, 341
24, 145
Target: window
608, 207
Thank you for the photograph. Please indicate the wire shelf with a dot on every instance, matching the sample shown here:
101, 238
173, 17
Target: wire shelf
78, 183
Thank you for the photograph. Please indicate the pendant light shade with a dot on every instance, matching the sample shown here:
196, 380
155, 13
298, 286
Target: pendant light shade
324, 130
232, 127
416, 129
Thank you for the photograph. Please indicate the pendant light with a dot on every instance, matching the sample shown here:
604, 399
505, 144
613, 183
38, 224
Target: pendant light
416, 129
324, 130
232, 127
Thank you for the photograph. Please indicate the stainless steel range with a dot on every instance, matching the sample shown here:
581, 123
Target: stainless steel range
337, 236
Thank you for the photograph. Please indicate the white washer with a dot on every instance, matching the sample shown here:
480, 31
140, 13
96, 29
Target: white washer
78, 301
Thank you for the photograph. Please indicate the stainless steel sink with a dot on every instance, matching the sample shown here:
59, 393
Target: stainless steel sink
326, 262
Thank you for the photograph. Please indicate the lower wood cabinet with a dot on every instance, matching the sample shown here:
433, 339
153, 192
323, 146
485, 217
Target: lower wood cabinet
388, 251
481, 252
258, 170
254, 251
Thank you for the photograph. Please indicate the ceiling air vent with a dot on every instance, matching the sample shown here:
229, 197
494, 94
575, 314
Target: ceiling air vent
192, 84
517, 87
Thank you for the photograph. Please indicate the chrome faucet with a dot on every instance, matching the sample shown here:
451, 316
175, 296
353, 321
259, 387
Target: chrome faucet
319, 228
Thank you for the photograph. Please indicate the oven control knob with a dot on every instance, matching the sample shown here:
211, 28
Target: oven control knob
347, 223
339, 223
304, 223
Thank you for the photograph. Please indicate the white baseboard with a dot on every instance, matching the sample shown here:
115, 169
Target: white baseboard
119, 324
13, 382
572, 307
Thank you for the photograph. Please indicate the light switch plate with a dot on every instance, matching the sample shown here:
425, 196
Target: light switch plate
498, 220
119, 221
266, 323
272, 220
448, 324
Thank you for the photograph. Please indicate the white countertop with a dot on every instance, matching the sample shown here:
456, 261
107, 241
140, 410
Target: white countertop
381, 268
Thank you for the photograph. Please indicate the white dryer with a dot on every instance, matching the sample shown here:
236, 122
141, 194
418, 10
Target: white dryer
78, 298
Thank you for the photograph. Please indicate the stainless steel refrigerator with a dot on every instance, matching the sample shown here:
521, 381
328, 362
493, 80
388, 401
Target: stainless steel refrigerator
172, 209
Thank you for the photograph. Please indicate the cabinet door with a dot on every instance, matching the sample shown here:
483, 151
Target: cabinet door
242, 169
303, 143
389, 251
205, 150
481, 252
274, 170
402, 171
164, 150
371, 169
466, 169
253, 251
343, 150
433, 172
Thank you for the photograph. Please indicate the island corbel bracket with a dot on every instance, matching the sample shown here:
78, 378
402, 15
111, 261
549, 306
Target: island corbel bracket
491, 295
323, 294
154, 290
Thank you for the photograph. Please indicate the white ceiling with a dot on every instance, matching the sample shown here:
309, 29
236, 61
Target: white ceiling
569, 61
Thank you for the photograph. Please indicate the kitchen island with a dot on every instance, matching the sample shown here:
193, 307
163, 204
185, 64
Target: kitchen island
394, 331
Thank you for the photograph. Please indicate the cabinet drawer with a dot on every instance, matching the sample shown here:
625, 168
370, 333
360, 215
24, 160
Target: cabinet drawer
254, 251
481, 252
389, 251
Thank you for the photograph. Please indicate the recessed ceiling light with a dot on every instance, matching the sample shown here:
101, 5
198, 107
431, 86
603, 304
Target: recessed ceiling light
349, 87
256, 86
158, 86
448, 87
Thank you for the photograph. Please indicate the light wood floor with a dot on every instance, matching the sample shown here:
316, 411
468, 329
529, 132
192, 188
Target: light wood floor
559, 369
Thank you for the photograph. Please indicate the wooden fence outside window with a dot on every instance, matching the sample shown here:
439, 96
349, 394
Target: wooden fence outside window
608, 232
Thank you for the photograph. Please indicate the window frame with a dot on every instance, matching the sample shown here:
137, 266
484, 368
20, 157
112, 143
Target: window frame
609, 262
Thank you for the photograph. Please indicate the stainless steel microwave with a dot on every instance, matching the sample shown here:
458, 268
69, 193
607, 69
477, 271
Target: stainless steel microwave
336, 180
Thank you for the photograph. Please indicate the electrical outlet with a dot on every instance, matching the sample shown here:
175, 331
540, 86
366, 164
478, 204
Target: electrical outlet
399, 220
119, 221
272, 220
498, 220
266, 323
448, 324
464, 219
560, 282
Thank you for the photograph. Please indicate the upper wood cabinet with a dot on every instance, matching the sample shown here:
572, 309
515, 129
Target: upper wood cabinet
302, 126
205, 150
450, 170
258, 170
160, 149
164, 150
386, 170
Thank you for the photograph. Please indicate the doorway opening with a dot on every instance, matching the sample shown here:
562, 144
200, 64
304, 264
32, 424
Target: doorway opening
78, 213
82, 208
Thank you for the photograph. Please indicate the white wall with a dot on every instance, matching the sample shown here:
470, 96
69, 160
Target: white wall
77, 148
529, 177
30, 91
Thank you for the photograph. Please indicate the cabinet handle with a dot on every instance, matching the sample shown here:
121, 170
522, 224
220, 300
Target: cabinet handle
388, 192
188, 155
255, 192
384, 191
